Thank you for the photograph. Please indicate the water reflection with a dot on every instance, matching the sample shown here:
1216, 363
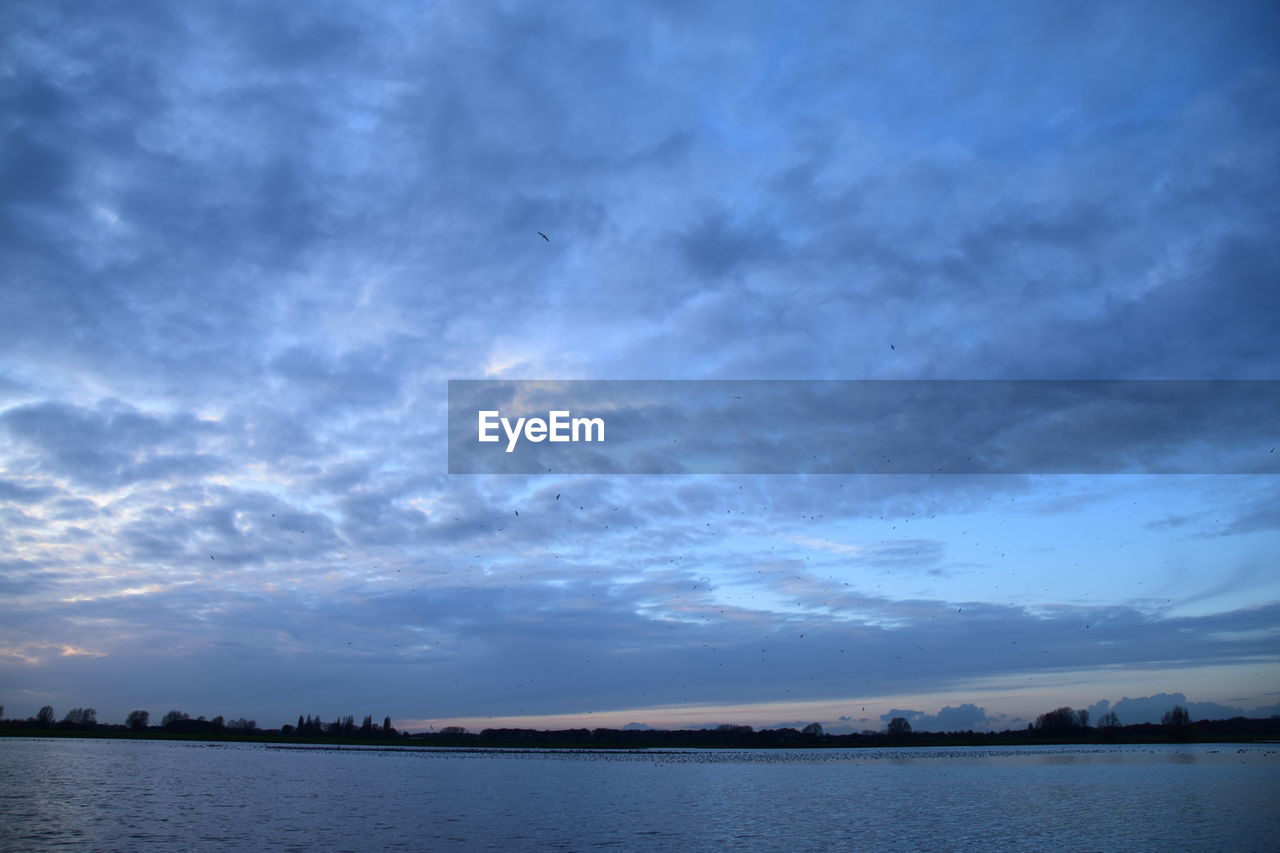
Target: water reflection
135, 795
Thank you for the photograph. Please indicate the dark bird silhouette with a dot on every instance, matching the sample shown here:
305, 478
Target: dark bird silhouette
544, 236
892, 347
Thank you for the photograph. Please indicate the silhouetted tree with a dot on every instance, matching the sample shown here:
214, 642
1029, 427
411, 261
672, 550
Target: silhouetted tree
729, 734
386, 726
812, 730
366, 727
1177, 723
1109, 720
1062, 720
137, 720
242, 726
80, 718
45, 717
899, 727
171, 719
343, 726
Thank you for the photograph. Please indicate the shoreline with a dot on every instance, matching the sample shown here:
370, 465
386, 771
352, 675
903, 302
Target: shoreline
679, 740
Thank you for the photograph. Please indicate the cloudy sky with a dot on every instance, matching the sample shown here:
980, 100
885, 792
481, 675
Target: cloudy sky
244, 246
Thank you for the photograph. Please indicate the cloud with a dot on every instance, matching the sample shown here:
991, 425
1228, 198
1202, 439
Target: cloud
18, 493
244, 248
966, 717
111, 445
1150, 709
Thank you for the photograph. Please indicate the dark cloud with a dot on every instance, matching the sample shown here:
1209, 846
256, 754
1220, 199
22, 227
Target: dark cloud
1150, 709
716, 245
23, 494
963, 718
113, 444
361, 378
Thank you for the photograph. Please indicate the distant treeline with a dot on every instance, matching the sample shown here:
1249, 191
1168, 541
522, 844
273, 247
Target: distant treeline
901, 734
1057, 726
179, 722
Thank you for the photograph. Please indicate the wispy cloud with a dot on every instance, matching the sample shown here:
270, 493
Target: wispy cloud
244, 249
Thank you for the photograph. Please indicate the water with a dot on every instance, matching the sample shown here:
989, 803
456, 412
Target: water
160, 795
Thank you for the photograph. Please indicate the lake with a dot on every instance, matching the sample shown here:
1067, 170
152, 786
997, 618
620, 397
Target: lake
138, 795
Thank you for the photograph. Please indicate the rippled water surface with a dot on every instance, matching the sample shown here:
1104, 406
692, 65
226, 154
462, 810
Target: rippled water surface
158, 795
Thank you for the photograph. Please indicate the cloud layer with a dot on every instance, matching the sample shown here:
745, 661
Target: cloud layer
245, 247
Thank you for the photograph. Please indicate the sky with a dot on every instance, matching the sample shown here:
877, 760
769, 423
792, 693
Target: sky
245, 246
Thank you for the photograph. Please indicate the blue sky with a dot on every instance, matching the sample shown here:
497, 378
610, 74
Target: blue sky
243, 247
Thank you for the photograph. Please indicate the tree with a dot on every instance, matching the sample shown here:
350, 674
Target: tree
1109, 720
899, 727
1062, 720
386, 726
86, 717
171, 719
812, 730
1177, 722
137, 720
242, 726
45, 717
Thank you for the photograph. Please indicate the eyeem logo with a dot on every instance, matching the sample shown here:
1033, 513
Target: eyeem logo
559, 426
933, 427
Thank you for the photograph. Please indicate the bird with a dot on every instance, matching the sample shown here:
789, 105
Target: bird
544, 236
892, 347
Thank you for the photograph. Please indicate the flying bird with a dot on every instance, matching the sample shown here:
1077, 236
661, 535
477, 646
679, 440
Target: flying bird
544, 236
